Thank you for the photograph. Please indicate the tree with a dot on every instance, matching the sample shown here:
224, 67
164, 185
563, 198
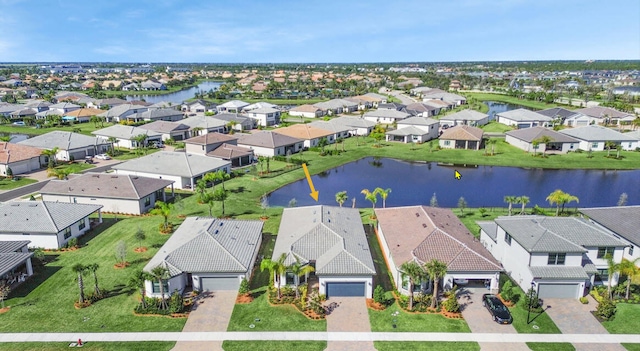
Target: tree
609, 145
93, 268
160, 274
629, 269
371, 196
434, 201
510, 200
622, 201
560, 198
436, 271
5, 289
462, 204
50, 154
612, 269
60, 173
9, 172
80, 270
341, 197
140, 236
492, 143
113, 141
208, 199
220, 195
221, 176
163, 209
322, 143
535, 143
201, 187
121, 252
523, 200
276, 268
95, 120
137, 281
299, 271
415, 273
141, 141
384, 193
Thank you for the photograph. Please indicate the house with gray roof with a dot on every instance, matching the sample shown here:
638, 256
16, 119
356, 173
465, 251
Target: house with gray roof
199, 106
523, 118
71, 146
595, 138
49, 225
240, 122
233, 106
264, 116
560, 257
15, 262
169, 130
268, 143
421, 234
607, 115
337, 106
222, 146
339, 130
355, 125
526, 138
465, 117
207, 254
385, 116
157, 114
116, 193
185, 169
414, 130
199, 125
567, 117
122, 111
332, 241
126, 135
421, 109
622, 221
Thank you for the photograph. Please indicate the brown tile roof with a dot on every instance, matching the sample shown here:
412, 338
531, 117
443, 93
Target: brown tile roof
462, 133
305, 108
303, 131
106, 186
427, 233
267, 139
230, 151
210, 138
10, 152
84, 112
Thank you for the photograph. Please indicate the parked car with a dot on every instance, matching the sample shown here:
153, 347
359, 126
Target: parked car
88, 159
157, 144
103, 157
461, 281
19, 123
498, 310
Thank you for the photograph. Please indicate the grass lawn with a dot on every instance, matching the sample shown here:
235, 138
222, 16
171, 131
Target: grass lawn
128, 154
632, 347
274, 345
48, 296
513, 100
76, 167
626, 321
381, 321
542, 321
93, 346
8, 184
425, 346
550, 346
495, 127
82, 128
471, 215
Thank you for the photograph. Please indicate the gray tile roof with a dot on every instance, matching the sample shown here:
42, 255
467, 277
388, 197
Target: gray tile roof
13, 246
62, 140
489, 227
554, 112
386, 113
165, 127
468, 115
334, 104
210, 245
332, 127
332, 236
158, 113
596, 133
173, 163
559, 272
234, 104
352, 122
623, 220
41, 217
409, 130
10, 260
418, 121
267, 139
228, 117
263, 110
120, 110
204, 122
125, 132
633, 135
104, 185
523, 115
602, 112
531, 134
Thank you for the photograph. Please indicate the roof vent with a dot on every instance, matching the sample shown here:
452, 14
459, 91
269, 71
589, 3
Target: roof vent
424, 225
114, 176
221, 223
328, 212
328, 220
417, 214
216, 231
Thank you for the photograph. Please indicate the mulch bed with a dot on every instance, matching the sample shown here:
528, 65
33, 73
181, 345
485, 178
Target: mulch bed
375, 306
78, 306
121, 265
140, 249
5, 310
505, 302
244, 298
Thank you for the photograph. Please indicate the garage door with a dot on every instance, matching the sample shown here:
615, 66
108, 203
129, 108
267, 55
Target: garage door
345, 289
566, 291
226, 283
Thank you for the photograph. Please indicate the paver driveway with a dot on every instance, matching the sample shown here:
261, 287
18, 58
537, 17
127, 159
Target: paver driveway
348, 314
211, 313
479, 320
573, 317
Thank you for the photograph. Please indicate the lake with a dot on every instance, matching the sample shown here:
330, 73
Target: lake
414, 183
498, 107
176, 97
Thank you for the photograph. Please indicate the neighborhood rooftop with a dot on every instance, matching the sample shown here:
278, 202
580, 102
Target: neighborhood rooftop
41, 216
172, 163
106, 185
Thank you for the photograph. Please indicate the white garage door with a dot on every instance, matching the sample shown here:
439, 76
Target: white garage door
565, 291
220, 283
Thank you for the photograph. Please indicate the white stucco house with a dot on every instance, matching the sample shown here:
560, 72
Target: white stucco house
71, 146
265, 116
308, 111
525, 139
125, 136
414, 130
385, 116
594, 138
623, 222
310, 134
465, 117
268, 143
19, 158
523, 118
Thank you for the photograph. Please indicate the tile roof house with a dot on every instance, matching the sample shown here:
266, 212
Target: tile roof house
308, 111
421, 109
183, 168
82, 114
207, 254
116, 193
122, 111
199, 125
386, 116
523, 118
332, 240
561, 257
354, 125
169, 130
337, 106
268, 143
70, 145
157, 114
414, 130
310, 134
339, 130
240, 122
465, 117
525, 138
49, 225
622, 221
20, 158
15, 262
233, 106
264, 116
567, 117
421, 234
126, 135
594, 138
222, 146
199, 106
462, 137
607, 115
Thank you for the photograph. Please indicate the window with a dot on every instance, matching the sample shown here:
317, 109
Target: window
156, 287
447, 142
631, 250
290, 278
417, 286
67, 233
604, 251
556, 259
81, 224
147, 201
594, 145
507, 238
602, 275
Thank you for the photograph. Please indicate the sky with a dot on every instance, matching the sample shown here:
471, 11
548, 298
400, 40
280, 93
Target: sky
275, 31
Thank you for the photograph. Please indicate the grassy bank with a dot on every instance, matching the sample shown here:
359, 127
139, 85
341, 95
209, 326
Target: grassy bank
513, 100
82, 128
8, 184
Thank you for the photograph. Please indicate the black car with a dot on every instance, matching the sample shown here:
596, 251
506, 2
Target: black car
498, 310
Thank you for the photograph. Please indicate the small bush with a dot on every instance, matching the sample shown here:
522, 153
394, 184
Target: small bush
451, 305
596, 295
507, 292
378, 295
606, 309
584, 300
176, 303
73, 242
244, 286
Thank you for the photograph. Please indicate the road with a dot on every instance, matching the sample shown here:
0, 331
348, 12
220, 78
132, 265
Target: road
404, 99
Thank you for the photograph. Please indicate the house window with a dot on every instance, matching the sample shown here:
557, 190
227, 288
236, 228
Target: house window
81, 225
156, 287
417, 286
594, 145
604, 251
631, 250
290, 278
447, 142
556, 259
147, 201
67, 233
507, 238
602, 275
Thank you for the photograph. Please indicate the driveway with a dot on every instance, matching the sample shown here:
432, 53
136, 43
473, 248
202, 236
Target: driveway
404, 99
348, 314
479, 320
211, 313
573, 317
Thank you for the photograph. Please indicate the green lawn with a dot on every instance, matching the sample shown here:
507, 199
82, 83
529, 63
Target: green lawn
84, 128
513, 100
425, 346
382, 321
8, 184
129, 154
76, 167
495, 127
274, 345
626, 321
632, 347
542, 321
550, 346
92, 346
471, 215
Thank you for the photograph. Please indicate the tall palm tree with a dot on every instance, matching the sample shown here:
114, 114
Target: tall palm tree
629, 269
93, 268
609, 145
415, 273
161, 274
113, 140
560, 198
341, 197
163, 209
60, 173
523, 200
510, 200
384, 193
80, 270
220, 195
371, 196
51, 156
221, 176
545, 140
137, 281
299, 271
276, 268
612, 269
436, 270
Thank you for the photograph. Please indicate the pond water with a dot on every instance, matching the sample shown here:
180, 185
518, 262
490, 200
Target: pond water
176, 97
414, 183
15, 137
498, 107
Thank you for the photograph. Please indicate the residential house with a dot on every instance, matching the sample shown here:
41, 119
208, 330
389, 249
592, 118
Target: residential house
421, 234
157, 114
233, 106
439, 105
49, 225
258, 105
308, 111
385, 116
207, 254
462, 137
377, 99
199, 125
62, 108
71, 146
126, 136
152, 85
559, 257
339, 130
355, 125
526, 138
265, 116
122, 112
332, 241
169, 130
115, 193
523, 118
22, 113
465, 117
183, 168
205, 143
19, 158
311, 135
392, 106
437, 94
622, 221
38, 105
15, 266
606, 115
240, 122
82, 114
595, 138
8, 109
107, 103
421, 109
200, 106
569, 118
337, 106
414, 130
364, 103
131, 87
268, 143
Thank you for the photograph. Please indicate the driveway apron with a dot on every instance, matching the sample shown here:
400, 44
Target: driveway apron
211, 313
348, 314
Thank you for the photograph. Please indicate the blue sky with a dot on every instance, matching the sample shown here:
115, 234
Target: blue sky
317, 31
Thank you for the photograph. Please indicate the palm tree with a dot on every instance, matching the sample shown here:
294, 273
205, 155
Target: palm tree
137, 281
161, 274
140, 140
51, 156
436, 270
612, 268
510, 200
371, 196
220, 195
415, 273
163, 209
384, 193
545, 140
523, 200
60, 173
276, 269
629, 269
80, 270
492, 142
322, 143
95, 120
341, 197
609, 145
93, 268
113, 141
221, 176
299, 271
560, 198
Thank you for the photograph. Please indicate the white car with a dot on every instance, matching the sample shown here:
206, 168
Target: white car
103, 157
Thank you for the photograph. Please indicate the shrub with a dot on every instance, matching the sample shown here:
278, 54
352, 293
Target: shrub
378, 295
596, 295
244, 286
451, 305
606, 309
584, 300
531, 301
507, 292
73, 242
176, 304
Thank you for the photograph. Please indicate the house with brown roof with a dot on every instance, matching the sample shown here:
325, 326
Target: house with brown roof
20, 158
462, 137
222, 146
422, 234
118, 193
311, 135
268, 143
82, 114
